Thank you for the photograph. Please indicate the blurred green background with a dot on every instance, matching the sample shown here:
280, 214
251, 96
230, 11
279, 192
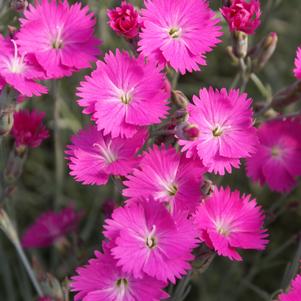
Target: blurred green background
260, 274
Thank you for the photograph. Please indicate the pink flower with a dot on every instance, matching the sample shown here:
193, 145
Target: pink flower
20, 72
102, 279
226, 129
64, 45
178, 32
50, 227
227, 222
167, 177
277, 161
124, 93
242, 15
148, 239
93, 157
124, 20
295, 292
28, 129
297, 70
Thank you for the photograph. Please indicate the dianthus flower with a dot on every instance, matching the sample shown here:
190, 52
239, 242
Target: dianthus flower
93, 157
167, 177
64, 45
124, 20
297, 70
242, 15
124, 93
294, 294
148, 239
102, 279
50, 227
227, 222
226, 129
19, 71
178, 33
277, 161
28, 129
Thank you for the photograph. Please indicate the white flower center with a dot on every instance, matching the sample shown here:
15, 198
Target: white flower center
126, 97
217, 131
223, 228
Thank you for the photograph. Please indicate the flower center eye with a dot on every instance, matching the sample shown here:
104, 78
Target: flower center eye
172, 190
57, 42
122, 283
217, 131
174, 32
126, 98
276, 151
151, 241
223, 229
106, 152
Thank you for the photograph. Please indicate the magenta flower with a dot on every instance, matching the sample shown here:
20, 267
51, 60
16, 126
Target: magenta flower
167, 177
28, 129
178, 33
102, 279
50, 227
277, 161
226, 129
242, 15
124, 93
297, 70
64, 45
124, 20
294, 294
227, 222
20, 72
93, 157
147, 239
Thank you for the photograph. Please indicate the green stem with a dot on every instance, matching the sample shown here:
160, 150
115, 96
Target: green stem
58, 149
28, 268
260, 86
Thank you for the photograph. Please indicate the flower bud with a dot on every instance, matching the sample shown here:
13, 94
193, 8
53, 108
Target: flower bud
179, 98
124, 20
14, 165
242, 15
8, 228
263, 51
6, 120
240, 44
187, 131
18, 5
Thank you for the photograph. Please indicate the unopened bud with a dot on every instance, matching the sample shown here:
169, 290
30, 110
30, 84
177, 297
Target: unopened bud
207, 188
240, 44
18, 5
6, 120
11, 31
187, 131
262, 53
14, 165
8, 227
180, 99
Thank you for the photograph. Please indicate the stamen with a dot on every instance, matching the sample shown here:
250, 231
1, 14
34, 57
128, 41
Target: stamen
174, 32
16, 64
106, 152
126, 98
172, 190
217, 131
58, 41
150, 239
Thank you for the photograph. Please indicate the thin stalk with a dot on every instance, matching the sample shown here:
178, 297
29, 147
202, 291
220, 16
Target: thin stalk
260, 86
28, 268
58, 149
